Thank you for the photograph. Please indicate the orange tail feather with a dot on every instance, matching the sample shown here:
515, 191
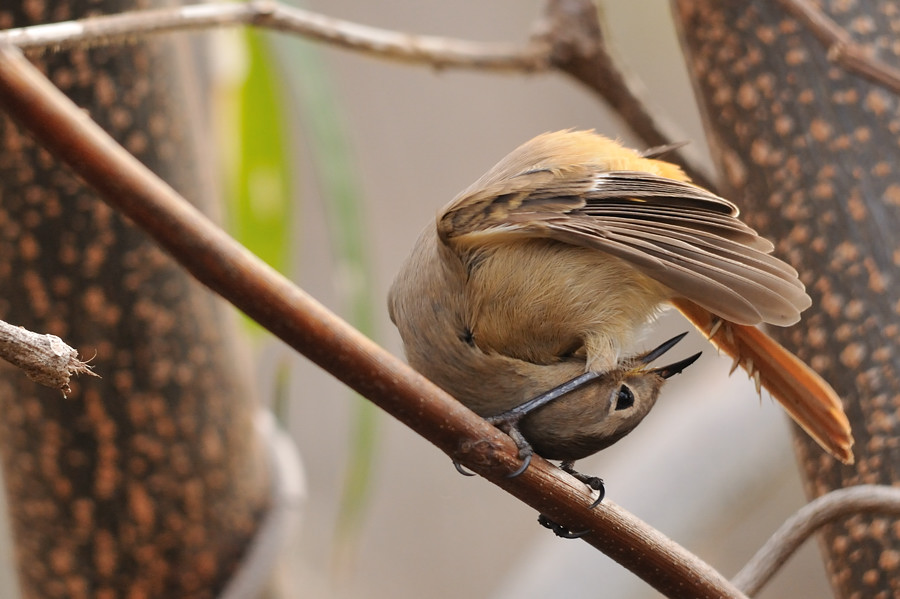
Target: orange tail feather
809, 400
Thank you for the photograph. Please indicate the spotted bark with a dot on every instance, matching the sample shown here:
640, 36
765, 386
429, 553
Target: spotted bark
147, 482
811, 154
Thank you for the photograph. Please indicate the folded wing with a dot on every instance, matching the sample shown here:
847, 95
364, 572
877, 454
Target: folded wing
677, 233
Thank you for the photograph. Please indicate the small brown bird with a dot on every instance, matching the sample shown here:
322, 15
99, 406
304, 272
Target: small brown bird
551, 265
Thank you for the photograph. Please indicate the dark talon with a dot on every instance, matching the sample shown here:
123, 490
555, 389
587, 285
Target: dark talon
521, 468
594, 482
461, 470
560, 530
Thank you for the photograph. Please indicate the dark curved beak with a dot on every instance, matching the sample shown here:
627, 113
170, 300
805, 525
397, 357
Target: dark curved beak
677, 367
671, 369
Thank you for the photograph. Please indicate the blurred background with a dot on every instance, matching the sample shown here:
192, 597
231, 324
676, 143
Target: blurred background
712, 465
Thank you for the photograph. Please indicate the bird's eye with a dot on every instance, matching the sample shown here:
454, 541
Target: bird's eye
624, 398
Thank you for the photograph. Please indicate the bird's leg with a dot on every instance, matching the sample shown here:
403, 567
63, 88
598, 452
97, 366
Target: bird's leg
508, 421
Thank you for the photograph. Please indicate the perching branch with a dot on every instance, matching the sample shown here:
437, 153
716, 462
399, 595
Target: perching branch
880, 499
46, 359
227, 268
840, 47
568, 40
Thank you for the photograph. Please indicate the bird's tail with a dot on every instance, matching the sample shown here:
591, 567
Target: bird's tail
809, 400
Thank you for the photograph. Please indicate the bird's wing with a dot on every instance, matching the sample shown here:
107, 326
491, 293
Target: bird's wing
679, 234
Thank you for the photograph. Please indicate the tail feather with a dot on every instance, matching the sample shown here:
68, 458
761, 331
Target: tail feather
809, 400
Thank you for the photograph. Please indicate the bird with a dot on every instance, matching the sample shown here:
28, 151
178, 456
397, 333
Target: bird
546, 272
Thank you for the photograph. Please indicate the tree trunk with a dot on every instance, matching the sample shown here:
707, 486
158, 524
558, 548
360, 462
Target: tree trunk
810, 153
150, 481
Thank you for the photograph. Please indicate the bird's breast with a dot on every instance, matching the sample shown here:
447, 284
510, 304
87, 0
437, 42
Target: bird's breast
542, 301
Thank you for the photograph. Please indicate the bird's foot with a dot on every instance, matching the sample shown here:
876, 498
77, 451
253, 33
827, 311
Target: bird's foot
560, 530
594, 482
508, 421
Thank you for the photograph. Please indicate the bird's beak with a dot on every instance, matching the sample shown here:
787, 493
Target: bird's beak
671, 369
677, 367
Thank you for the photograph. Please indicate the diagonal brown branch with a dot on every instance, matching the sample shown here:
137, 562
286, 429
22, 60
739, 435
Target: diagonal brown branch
227, 268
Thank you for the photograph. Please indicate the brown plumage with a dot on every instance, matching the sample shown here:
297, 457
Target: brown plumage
552, 264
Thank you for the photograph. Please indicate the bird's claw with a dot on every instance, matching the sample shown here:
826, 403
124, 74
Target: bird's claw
599, 499
461, 469
560, 530
525, 463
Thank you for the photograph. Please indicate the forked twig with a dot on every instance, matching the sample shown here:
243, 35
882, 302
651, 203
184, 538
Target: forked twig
568, 40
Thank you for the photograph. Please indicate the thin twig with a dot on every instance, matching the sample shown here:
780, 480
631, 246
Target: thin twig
227, 268
872, 499
439, 52
569, 40
46, 359
840, 46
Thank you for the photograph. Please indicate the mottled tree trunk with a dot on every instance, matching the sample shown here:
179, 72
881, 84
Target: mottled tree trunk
148, 482
811, 154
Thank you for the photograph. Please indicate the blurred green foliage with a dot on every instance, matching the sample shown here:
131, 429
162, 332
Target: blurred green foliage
262, 110
259, 175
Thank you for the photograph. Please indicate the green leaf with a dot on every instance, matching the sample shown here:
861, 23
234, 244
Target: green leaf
263, 186
252, 122
342, 198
